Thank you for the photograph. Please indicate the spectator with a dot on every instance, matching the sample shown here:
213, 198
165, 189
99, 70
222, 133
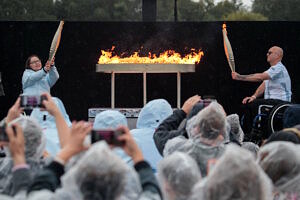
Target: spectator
178, 173
291, 116
48, 124
112, 119
288, 135
34, 148
281, 162
153, 113
94, 176
252, 147
235, 176
236, 133
206, 135
174, 125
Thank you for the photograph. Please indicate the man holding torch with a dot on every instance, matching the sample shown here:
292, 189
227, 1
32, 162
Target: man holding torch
276, 85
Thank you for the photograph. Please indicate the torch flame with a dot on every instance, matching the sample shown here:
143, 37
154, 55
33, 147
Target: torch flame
169, 56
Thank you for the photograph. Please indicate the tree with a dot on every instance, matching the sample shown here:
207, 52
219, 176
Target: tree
223, 8
244, 16
102, 10
27, 10
165, 10
191, 11
278, 9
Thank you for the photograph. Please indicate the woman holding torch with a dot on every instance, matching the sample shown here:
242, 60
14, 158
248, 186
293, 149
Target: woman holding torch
37, 79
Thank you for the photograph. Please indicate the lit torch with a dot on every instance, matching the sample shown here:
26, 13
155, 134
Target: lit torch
55, 41
228, 49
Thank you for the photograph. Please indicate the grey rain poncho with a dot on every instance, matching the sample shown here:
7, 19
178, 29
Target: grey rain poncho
235, 176
252, 147
205, 143
235, 128
98, 174
281, 162
178, 173
34, 148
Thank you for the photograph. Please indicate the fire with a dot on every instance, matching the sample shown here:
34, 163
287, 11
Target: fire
169, 56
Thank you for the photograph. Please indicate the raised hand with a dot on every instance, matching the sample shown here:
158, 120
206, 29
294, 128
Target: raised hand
14, 112
47, 66
130, 146
189, 103
52, 62
50, 105
16, 143
74, 144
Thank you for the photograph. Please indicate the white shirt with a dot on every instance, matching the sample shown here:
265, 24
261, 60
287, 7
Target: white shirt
279, 85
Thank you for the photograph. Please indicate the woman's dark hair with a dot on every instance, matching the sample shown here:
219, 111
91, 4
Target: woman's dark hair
27, 63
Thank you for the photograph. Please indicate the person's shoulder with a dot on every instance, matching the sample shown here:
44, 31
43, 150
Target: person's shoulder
27, 71
279, 65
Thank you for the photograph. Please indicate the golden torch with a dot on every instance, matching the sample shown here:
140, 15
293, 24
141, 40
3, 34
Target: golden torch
55, 41
228, 49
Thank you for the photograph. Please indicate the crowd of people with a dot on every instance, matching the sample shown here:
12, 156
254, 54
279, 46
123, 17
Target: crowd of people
195, 152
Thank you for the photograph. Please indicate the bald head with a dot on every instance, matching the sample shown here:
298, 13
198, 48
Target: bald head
278, 51
274, 55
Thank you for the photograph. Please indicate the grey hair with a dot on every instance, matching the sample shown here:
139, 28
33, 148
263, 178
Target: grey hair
33, 136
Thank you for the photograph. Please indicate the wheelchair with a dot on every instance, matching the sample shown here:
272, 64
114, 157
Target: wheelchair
267, 121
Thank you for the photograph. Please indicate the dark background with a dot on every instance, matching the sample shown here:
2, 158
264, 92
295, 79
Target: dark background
80, 87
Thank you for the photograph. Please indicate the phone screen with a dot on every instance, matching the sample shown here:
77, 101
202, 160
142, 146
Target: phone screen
110, 136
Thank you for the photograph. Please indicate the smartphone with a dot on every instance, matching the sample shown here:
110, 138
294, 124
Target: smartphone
110, 136
207, 101
32, 101
3, 135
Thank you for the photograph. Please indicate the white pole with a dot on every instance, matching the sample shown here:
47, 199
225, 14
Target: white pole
144, 88
113, 89
178, 89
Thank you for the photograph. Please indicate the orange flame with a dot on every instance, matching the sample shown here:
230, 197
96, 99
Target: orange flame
169, 56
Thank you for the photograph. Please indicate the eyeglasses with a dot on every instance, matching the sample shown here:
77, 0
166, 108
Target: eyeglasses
269, 52
35, 62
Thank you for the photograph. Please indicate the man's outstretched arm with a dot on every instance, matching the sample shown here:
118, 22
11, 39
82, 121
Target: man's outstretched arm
258, 77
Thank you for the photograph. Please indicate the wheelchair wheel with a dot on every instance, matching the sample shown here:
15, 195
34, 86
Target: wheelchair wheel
276, 116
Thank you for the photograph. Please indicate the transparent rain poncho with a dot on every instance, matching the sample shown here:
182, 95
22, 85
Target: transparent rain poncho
208, 123
99, 174
178, 173
281, 162
34, 148
204, 143
235, 176
235, 127
252, 147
